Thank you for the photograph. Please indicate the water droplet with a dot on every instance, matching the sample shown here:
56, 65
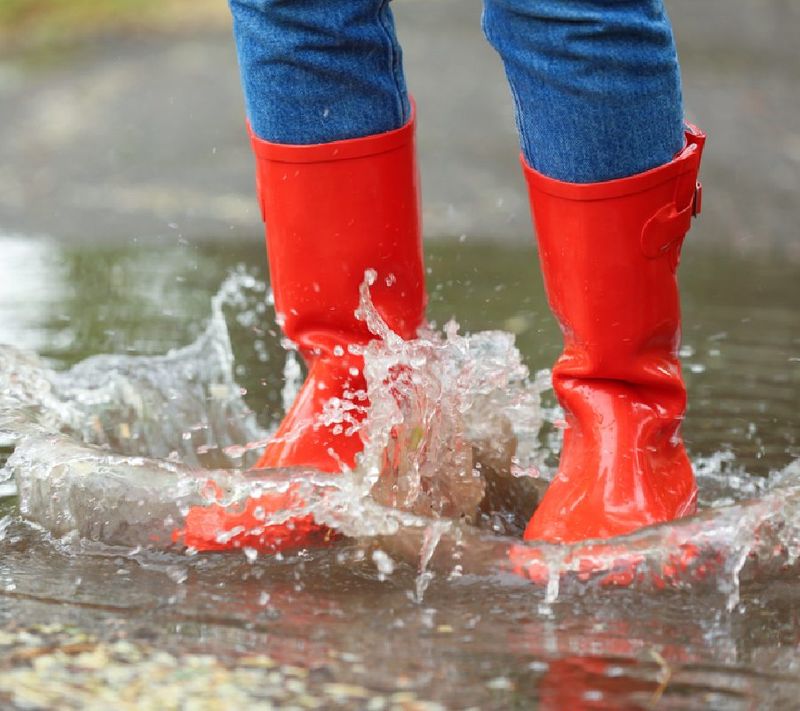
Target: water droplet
383, 563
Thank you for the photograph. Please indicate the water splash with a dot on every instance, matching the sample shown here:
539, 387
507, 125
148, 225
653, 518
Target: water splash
721, 547
431, 538
117, 449
183, 406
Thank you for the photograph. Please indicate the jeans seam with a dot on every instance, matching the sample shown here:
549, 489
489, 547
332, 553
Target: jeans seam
514, 95
393, 60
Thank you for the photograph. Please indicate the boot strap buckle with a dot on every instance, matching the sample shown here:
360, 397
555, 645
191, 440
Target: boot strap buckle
697, 201
670, 225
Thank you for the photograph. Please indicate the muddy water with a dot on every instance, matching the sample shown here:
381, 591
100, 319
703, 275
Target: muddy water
396, 629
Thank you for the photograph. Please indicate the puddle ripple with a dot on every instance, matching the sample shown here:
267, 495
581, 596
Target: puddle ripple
117, 449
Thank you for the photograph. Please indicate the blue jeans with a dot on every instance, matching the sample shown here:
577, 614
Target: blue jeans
596, 83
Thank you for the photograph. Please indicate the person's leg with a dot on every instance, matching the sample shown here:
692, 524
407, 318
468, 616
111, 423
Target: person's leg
612, 183
319, 70
333, 136
596, 84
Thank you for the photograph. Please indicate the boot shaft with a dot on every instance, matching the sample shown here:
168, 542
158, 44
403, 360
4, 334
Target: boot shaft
609, 253
332, 212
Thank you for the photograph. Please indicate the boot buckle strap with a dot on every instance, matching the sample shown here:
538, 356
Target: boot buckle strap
697, 201
670, 225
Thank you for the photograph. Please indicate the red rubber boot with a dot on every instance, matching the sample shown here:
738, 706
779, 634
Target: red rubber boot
332, 212
609, 253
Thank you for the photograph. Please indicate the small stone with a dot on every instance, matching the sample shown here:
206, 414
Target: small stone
403, 697
96, 659
295, 671
259, 661
347, 690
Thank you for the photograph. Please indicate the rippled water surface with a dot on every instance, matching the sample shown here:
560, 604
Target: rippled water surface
132, 375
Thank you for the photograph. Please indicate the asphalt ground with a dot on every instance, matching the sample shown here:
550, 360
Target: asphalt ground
141, 136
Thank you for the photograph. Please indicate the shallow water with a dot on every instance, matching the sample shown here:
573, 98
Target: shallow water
408, 604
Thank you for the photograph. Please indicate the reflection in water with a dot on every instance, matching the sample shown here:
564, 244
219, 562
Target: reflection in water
29, 285
117, 447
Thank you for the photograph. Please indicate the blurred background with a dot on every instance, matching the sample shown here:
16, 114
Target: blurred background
127, 196
124, 118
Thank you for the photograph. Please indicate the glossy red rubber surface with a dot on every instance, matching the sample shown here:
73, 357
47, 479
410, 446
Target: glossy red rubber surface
609, 252
332, 212
220, 528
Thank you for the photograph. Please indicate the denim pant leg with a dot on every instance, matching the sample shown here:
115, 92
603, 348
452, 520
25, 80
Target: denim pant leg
596, 84
315, 71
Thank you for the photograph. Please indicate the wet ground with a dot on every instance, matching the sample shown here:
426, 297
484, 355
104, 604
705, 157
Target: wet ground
124, 136
331, 625
115, 234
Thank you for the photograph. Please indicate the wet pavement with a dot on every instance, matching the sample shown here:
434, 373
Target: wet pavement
123, 138
330, 628
125, 199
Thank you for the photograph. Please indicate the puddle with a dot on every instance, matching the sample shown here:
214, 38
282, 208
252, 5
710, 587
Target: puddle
109, 452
